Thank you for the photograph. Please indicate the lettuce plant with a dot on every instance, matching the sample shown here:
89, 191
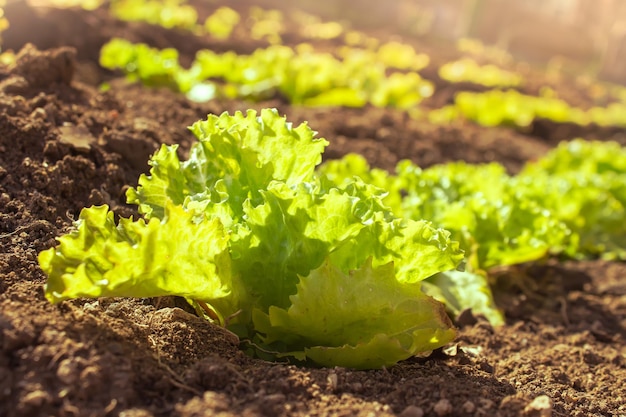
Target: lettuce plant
140, 62
302, 75
255, 240
166, 13
312, 27
222, 22
496, 107
393, 55
511, 108
582, 184
495, 223
571, 202
466, 69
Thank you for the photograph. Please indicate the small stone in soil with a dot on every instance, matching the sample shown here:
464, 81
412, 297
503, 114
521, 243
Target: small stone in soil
469, 407
443, 407
539, 407
412, 411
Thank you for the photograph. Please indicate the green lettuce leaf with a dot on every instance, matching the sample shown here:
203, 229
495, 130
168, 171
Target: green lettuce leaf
342, 172
235, 159
184, 255
361, 319
460, 290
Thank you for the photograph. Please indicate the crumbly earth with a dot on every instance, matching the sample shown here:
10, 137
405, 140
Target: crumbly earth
65, 145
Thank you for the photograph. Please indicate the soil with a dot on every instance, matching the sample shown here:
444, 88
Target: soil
65, 145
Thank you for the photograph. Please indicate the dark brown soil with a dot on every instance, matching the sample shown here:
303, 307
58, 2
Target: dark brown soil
64, 145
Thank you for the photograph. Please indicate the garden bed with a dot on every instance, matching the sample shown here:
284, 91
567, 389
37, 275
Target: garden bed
65, 145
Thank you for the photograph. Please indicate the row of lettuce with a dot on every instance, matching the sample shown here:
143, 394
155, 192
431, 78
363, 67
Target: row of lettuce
270, 25
302, 75
512, 108
338, 264
362, 71
386, 76
256, 23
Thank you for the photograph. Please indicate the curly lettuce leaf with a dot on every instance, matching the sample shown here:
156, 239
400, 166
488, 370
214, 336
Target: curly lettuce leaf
364, 318
184, 255
235, 159
342, 172
460, 290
